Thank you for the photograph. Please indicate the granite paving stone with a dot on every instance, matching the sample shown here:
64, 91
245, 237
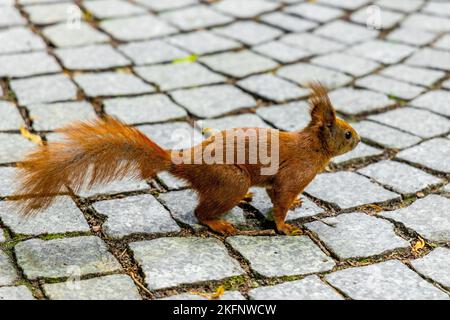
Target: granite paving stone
391, 87
437, 8
195, 17
249, 32
388, 19
134, 215
44, 14
19, 39
213, 101
356, 101
65, 35
384, 135
435, 266
281, 256
314, 11
62, 113
436, 101
339, 188
106, 9
311, 43
26, 64
289, 117
61, 217
10, 118
427, 216
401, 5
8, 275
144, 109
420, 76
447, 188
411, 36
399, 176
64, 257
120, 186
94, 57
346, 32
168, 262
15, 293
182, 205
360, 152
151, 52
239, 64
345, 63
443, 43
432, 58
179, 75
390, 280
111, 84
10, 16
262, 203
13, 147
272, 88
309, 288
382, 51
202, 42
246, 9
357, 235
114, 287
239, 121
302, 74
2, 235
174, 135
427, 22
345, 4
228, 295
280, 52
137, 28
432, 154
159, 5
418, 122
171, 182
7, 181
288, 22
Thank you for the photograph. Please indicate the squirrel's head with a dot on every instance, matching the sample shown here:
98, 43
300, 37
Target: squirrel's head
336, 135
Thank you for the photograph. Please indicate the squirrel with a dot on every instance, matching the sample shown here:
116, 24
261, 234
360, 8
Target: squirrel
105, 149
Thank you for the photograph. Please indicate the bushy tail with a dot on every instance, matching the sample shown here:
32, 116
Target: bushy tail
92, 153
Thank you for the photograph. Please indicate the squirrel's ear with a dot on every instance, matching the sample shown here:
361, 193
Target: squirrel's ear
321, 109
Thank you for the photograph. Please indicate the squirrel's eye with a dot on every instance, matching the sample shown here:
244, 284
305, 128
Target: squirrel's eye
348, 135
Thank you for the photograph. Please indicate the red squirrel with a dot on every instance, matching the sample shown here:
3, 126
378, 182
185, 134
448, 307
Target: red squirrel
106, 149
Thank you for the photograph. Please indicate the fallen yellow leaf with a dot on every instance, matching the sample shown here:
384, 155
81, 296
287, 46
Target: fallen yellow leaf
191, 58
31, 136
420, 243
219, 292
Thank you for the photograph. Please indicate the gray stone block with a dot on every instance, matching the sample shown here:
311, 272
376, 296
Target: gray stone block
106, 9
354, 66
281, 52
415, 37
288, 22
111, 84
420, 76
133, 215
27, 64
61, 217
19, 39
159, 5
357, 235
44, 14
245, 120
10, 16
65, 257
239, 64
428, 217
361, 151
356, 101
309, 288
246, 9
114, 287
391, 87
168, 262
426, 22
399, 176
213, 101
281, 256
13, 147
10, 118
346, 32
249, 32
94, 57
67, 35
311, 43
348, 190
382, 51
202, 42
435, 266
365, 16
15, 293
436, 101
174, 135
315, 12
390, 280
144, 109
179, 75
151, 52
430, 58
288, 117
8, 274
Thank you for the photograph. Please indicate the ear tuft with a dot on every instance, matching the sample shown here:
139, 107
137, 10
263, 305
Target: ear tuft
321, 109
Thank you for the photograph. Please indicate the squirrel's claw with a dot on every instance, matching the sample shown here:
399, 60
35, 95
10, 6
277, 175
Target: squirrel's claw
223, 227
289, 230
297, 203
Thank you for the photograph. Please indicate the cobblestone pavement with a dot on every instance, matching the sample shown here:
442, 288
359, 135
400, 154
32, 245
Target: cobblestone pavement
376, 223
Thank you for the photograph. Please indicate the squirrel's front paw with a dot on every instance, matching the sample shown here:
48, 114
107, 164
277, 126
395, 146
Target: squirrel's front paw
289, 230
297, 203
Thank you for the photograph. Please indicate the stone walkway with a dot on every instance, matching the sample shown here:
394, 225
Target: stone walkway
376, 224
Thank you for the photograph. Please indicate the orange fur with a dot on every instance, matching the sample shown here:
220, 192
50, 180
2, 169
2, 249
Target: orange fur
114, 149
